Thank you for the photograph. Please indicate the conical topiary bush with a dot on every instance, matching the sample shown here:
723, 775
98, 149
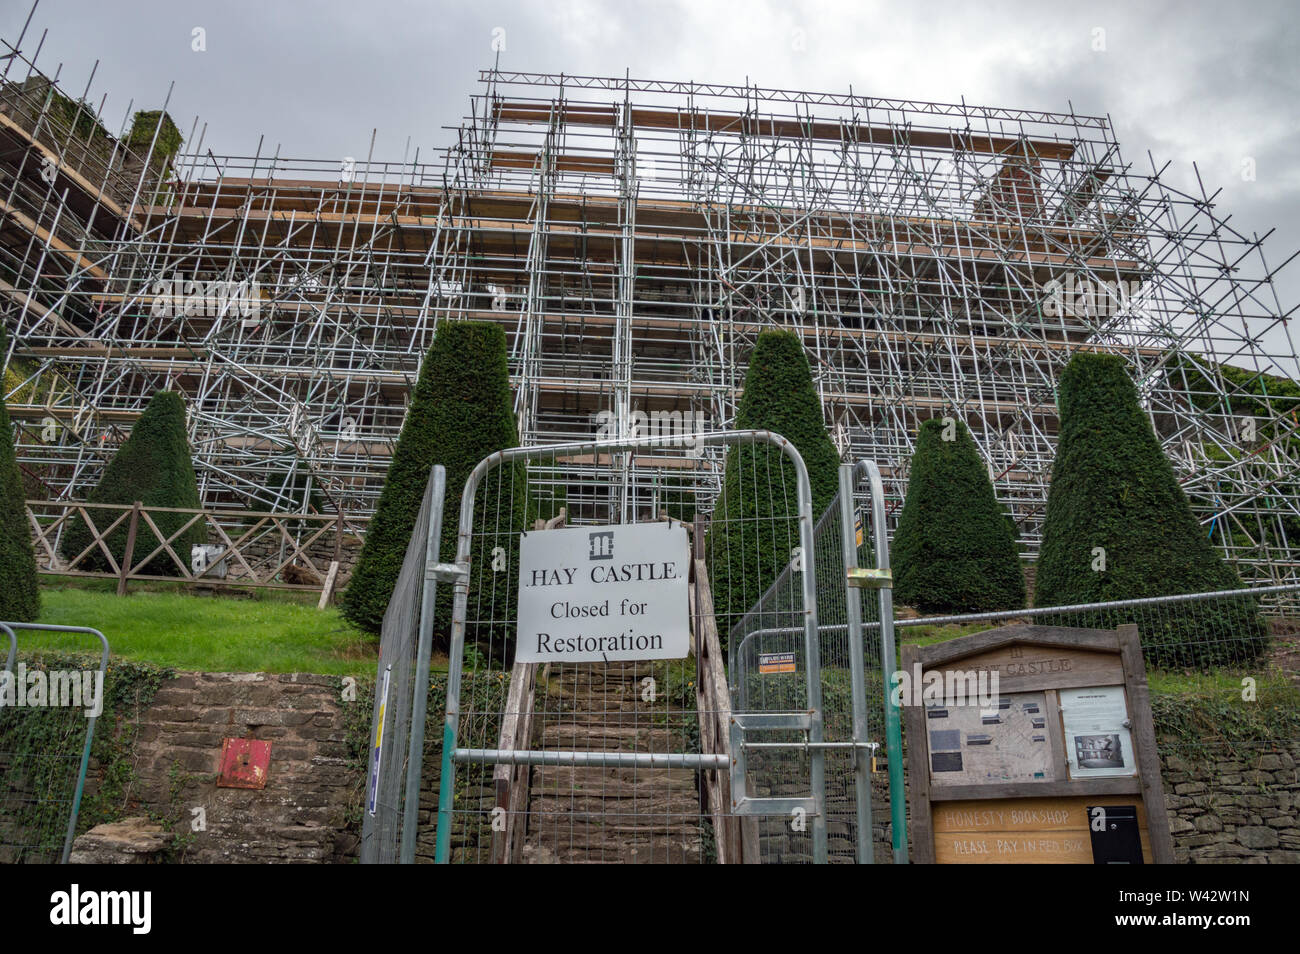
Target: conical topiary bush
954, 550
754, 526
460, 412
1118, 527
20, 597
154, 466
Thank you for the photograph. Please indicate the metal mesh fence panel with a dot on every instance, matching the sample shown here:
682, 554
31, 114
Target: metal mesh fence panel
767, 663
614, 761
500, 515
1222, 632
384, 811
569, 812
769, 632
876, 681
48, 700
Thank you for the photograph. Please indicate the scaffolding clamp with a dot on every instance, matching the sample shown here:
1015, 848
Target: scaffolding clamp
446, 572
866, 578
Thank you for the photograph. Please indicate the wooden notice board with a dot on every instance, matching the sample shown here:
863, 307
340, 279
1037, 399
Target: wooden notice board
1059, 766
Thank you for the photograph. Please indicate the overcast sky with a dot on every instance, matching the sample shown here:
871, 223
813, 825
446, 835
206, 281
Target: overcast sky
1212, 83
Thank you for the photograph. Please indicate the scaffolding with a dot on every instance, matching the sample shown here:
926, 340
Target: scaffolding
633, 237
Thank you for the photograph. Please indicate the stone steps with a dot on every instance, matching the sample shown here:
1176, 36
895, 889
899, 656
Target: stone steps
609, 783
567, 736
610, 815
660, 851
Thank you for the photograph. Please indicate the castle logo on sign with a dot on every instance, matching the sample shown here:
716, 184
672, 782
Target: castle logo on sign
602, 545
605, 594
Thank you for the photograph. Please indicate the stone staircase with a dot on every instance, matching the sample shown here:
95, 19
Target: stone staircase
605, 815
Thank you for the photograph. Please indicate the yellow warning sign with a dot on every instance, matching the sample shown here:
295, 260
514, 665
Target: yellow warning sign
769, 663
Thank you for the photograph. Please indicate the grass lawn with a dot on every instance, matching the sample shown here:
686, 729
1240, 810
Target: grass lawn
284, 632
266, 633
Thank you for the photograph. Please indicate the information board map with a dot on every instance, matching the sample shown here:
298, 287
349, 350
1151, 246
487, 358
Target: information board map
972, 746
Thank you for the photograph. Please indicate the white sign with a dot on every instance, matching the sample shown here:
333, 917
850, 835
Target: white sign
603, 594
1097, 739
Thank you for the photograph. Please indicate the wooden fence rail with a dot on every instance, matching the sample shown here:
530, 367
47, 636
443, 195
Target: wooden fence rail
511, 782
243, 548
736, 836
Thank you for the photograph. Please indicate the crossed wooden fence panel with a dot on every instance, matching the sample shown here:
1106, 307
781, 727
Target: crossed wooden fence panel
296, 551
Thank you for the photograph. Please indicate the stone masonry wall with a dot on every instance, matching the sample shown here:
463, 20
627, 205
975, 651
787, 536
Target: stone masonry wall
1226, 804
299, 816
308, 810
1236, 805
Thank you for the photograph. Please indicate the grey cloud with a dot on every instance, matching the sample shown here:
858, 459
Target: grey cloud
1188, 81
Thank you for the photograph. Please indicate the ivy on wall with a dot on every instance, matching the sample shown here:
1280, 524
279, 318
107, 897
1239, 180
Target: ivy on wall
42, 755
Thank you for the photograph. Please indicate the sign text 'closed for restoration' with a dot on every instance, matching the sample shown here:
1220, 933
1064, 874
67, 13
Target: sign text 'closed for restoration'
602, 594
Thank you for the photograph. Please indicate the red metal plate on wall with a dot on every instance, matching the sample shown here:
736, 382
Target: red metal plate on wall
245, 763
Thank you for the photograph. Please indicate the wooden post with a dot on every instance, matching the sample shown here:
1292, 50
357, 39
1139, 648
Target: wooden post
698, 559
338, 537
1144, 743
511, 782
125, 569
737, 837
327, 592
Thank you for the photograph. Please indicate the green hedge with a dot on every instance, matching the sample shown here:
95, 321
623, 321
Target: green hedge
20, 597
954, 550
1112, 487
460, 412
154, 466
754, 525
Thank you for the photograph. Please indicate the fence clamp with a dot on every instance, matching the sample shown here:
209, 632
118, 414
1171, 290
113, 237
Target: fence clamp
865, 578
446, 572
